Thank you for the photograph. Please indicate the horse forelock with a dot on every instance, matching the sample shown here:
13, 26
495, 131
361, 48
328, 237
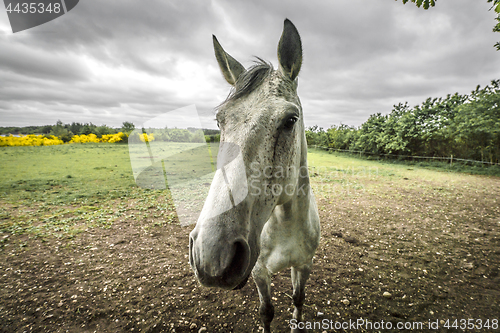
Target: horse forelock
253, 78
248, 81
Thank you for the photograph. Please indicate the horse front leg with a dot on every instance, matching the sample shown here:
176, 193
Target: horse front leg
299, 279
262, 279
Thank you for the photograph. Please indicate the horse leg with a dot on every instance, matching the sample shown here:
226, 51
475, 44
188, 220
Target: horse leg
299, 279
262, 279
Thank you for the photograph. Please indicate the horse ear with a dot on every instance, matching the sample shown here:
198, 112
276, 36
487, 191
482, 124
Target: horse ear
290, 51
230, 67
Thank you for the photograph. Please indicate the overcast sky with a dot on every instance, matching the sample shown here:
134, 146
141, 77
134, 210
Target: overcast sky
107, 62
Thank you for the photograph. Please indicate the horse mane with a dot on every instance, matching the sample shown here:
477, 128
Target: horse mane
249, 81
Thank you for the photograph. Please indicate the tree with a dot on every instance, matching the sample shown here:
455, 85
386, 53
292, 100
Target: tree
370, 134
477, 125
316, 136
46, 129
75, 127
127, 127
431, 3
496, 4
341, 137
61, 132
103, 130
88, 128
419, 3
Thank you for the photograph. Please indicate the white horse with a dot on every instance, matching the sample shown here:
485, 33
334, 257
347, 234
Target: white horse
260, 216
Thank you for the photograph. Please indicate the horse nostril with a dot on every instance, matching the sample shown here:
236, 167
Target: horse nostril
223, 266
240, 260
191, 252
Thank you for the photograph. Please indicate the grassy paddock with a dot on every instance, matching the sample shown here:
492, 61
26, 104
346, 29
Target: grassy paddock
437, 165
429, 238
63, 190
354, 174
65, 174
382, 185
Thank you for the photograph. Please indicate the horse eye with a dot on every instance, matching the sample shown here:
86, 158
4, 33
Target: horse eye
290, 122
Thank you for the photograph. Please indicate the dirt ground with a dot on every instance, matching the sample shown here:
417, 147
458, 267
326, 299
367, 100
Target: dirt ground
427, 253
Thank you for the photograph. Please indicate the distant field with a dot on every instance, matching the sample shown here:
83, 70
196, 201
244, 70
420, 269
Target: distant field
65, 173
82, 248
340, 172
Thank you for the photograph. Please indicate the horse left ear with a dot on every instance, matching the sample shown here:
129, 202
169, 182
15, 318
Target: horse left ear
290, 51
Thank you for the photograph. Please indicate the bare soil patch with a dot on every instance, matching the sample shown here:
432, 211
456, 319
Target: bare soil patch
418, 251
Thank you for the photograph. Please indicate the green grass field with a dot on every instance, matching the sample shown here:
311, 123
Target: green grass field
62, 190
350, 175
65, 174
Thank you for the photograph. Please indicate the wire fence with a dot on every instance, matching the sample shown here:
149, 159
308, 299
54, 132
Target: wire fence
451, 159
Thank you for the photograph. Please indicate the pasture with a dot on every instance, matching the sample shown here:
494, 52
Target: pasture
83, 249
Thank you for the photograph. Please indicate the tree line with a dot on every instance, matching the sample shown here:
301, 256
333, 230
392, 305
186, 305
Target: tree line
65, 132
462, 126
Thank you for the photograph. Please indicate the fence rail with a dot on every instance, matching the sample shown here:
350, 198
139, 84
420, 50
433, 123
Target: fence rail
451, 158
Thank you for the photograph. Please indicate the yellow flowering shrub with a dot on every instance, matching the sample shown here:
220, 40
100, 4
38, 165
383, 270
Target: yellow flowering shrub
41, 140
112, 138
30, 140
144, 137
85, 138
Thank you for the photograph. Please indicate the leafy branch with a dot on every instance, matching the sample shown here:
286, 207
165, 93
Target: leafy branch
425, 3
496, 5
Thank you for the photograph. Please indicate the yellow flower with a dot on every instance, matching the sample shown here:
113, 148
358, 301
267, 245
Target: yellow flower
146, 137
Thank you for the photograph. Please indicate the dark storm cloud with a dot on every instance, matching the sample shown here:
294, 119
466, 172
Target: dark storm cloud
146, 37
42, 64
114, 61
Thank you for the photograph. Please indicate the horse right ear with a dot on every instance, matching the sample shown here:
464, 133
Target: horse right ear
290, 51
230, 67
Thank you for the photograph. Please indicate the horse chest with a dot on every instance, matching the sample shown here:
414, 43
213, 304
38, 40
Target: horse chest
284, 247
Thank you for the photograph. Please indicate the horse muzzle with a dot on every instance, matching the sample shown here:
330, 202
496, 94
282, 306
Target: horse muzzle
219, 261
